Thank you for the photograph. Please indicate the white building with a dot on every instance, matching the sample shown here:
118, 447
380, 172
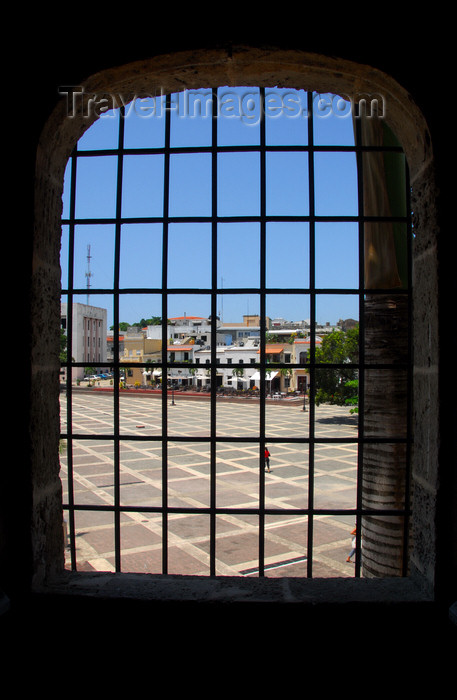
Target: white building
182, 328
89, 333
242, 358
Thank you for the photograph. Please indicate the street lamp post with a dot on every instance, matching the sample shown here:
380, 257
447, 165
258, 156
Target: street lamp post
173, 390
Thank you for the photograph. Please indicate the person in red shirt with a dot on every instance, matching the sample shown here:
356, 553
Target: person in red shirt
267, 459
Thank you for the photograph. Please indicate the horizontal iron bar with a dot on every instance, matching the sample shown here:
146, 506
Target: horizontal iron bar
364, 512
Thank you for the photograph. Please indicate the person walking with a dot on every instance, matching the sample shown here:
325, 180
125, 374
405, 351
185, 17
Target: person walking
353, 544
267, 459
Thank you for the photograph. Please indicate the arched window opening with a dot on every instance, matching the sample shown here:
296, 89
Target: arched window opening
263, 228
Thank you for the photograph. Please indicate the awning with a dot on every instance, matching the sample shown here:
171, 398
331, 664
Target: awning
268, 375
273, 349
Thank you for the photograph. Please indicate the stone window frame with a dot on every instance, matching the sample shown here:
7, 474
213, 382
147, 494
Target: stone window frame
170, 73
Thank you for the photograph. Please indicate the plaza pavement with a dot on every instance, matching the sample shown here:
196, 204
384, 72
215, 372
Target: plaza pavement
237, 486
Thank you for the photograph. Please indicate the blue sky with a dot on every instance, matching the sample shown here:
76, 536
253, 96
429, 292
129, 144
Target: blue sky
287, 244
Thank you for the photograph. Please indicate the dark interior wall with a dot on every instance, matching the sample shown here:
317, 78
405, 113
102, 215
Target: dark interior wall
62, 58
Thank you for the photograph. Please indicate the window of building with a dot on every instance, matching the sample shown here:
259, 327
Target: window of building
265, 207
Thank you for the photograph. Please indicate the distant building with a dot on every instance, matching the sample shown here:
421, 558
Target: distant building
189, 342
347, 324
110, 347
138, 350
184, 328
89, 328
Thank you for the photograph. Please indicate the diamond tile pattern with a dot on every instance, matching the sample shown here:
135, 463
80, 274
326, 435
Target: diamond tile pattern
238, 476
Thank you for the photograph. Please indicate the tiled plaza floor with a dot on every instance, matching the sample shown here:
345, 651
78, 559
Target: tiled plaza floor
238, 476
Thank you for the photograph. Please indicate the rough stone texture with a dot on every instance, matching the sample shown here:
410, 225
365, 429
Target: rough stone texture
232, 589
426, 418
199, 69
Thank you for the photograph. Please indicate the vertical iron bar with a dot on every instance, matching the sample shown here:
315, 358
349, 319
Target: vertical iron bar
213, 421
70, 284
361, 357
116, 408
312, 358
166, 198
262, 332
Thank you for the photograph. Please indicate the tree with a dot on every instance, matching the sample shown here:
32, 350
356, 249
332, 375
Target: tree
353, 399
123, 326
285, 372
238, 372
63, 346
337, 385
153, 321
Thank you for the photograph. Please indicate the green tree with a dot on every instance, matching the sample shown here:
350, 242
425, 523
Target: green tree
354, 399
337, 384
238, 372
63, 346
154, 321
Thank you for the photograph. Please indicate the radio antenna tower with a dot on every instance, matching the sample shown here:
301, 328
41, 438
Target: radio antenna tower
88, 273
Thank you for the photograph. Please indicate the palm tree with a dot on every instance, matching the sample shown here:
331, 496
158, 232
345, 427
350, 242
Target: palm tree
386, 343
238, 372
286, 373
